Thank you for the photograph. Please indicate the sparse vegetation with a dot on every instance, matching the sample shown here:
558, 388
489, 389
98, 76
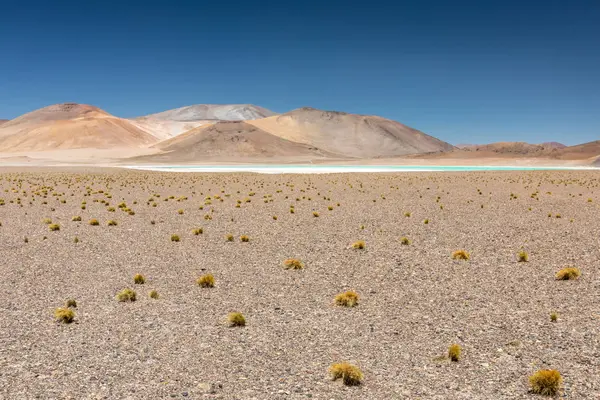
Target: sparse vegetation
454, 352
198, 231
461, 255
64, 315
175, 238
236, 319
139, 279
244, 238
553, 317
54, 227
359, 245
567, 274
71, 303
404, 241
94, 222
347, 299
229, 237
153, 294
76, 219
206, 281
293, 263
522, 256
348, 373
545, 382
126, 295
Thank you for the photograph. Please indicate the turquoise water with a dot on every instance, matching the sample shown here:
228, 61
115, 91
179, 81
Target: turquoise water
290, 168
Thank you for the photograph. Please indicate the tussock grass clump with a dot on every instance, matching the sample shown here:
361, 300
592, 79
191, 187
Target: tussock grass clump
139, 279
112, 222
244, 238
405, 241
75, 239
76, 218
64, 315
460, 255
198, 231
153, 294
47, 221
94, 222
126, 295
522, 256
293, 263
454, 352
407, 214
275, 217
54, 227
236, 319
545, 382
175, 238
347, 299
567, 274
206, 281
71, 303
348, 373
360, 245
315, 214
229, 237
180, 211
426, 221
553, 317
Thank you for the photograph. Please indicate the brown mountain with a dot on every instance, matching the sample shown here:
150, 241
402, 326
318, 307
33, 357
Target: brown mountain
70, 126
231, 141
3, 121
350, 135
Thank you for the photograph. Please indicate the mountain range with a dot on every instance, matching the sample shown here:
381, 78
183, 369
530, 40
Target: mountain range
245, 132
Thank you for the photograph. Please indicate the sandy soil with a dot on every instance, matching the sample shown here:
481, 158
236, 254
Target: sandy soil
415, 301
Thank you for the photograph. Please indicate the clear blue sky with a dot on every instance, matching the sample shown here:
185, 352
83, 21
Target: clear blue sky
464, 71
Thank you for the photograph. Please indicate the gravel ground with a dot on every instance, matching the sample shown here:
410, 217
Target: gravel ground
415, 301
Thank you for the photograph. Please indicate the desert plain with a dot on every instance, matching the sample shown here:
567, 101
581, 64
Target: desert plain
415, 300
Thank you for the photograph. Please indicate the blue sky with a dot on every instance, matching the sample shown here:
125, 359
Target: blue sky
465, 71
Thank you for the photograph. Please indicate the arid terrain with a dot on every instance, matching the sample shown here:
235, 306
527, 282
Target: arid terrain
80, 134
415, 300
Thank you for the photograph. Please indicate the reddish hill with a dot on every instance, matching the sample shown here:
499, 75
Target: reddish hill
70, 126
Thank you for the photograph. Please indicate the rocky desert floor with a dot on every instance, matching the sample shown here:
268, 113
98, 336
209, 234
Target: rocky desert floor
415, 300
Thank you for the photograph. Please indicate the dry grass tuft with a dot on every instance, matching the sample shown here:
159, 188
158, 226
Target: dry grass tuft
198, 231
567, 274
229, 237
94, 222
139, 279
460, 255
405, 241
175, 238
522, 256
236, 319
553, 317
64, 315
71, 303
293, 263
454, 352
244, 238
545, 382
54, 227
350, 374
153, 294
112, 222
126, 295
347, 299
360, 245
76, 218
206, 281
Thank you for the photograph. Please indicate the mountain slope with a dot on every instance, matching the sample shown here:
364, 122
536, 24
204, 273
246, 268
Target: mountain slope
3, 121
233, 141
70, 126
215, 112
170, 123
350, 135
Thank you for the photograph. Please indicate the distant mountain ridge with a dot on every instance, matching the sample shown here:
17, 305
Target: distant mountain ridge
214, 112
